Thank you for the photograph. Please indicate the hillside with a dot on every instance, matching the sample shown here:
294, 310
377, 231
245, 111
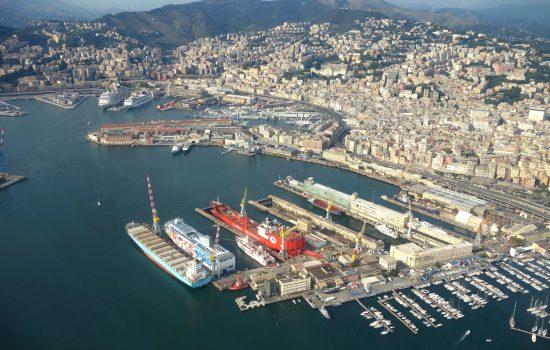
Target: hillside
174, 25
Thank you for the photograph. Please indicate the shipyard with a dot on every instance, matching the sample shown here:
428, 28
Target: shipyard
418, 276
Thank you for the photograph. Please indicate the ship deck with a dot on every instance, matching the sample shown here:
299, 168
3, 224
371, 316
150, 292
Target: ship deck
162, 250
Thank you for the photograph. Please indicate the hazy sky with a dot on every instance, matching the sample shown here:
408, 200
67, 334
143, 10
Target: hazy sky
149, 4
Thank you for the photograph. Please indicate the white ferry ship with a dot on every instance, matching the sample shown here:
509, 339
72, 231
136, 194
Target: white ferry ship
112, 97
255, 251
382, 228
138, 99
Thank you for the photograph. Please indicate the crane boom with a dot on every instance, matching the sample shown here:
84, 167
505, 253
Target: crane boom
243, 202
156, 220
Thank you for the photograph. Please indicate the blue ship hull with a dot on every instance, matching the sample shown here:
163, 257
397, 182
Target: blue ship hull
170, 270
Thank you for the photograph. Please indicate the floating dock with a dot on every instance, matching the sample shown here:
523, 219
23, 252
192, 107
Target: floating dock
530, 333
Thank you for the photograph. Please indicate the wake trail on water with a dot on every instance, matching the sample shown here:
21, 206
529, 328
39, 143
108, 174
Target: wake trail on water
461, 339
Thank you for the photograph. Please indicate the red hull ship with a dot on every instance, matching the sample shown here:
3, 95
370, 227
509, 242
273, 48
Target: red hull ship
319, 203
267, 233
167, 106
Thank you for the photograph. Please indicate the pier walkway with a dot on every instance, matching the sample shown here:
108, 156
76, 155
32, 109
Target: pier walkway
444, 308
415, 309
386, 327
529, 332
383, 304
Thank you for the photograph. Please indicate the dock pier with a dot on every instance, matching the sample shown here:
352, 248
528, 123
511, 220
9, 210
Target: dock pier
412, 307
442, 307
530, 333
381, 303
386, 327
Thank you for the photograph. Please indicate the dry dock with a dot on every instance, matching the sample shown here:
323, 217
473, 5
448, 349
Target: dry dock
427, 213
292, 213
283, 185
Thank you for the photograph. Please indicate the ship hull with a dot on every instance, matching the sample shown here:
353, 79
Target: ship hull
319, 203
386, 231
293, 245
248, 251
155, 259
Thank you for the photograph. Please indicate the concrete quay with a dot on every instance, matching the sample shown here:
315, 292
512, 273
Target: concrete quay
47, 99
11, 180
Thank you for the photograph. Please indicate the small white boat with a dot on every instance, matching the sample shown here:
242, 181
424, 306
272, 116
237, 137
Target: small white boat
488, 340
324, 312
98, 202
177, 148
534, 338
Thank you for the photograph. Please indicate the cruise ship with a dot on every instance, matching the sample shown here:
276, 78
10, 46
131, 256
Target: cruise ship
184, 268
382, 228
255, 251
112, 97
138, 99
215, 257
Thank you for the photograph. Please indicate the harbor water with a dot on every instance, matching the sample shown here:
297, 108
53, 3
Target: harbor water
71, 278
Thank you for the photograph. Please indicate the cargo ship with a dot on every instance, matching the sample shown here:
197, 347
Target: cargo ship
269, 233
184, 268
255, 251
167, 106
319, 203
198, 245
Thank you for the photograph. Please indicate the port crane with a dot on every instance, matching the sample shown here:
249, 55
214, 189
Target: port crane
156, 220
243, 203
327, 216
358, 248
283, 235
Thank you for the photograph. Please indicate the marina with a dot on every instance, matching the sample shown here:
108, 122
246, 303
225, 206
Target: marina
379, 320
